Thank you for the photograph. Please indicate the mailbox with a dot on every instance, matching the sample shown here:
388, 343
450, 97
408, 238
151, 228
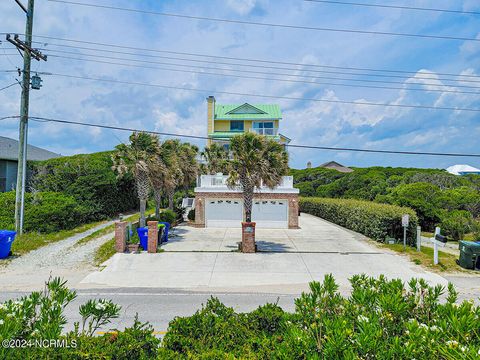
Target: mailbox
441, 238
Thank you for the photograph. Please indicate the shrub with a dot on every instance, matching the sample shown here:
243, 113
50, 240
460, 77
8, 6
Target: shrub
44, 212
89, 179
168, 216
165, 216
376, 221
191, 215
455, 224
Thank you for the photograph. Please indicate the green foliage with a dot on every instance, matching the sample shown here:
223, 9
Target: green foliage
45, 212
427, 191
90, 180
455, 224
191, 215
381, 319
425, 198
166, 215
376, 221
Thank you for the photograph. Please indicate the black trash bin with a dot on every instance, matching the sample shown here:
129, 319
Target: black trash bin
469, 255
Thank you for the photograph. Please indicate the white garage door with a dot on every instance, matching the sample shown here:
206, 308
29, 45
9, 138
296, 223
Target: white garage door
271, 214
223, 213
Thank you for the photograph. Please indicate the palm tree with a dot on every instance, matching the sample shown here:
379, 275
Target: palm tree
183, 166
135, 158
217, 159
160, 176
256, 160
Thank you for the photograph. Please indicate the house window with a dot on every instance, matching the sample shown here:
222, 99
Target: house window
264, 128
236, 125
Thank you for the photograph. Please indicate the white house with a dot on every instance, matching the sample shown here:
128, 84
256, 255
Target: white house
463, 170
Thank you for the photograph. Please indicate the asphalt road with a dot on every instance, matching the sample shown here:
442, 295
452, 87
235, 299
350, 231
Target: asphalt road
160, 306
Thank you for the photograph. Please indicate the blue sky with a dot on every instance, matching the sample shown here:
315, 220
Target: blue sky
306, 122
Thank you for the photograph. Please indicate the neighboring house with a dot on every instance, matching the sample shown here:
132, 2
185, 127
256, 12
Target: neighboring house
226, 121
463, 170
336, 166
216, 205
9, 157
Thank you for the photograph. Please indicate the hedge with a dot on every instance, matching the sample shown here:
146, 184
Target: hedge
377, 221
44, 212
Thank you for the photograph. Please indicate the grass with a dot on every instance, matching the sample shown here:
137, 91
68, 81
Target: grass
31, 241
446, 261
104, 252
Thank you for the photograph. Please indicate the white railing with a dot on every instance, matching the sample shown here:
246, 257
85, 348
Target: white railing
220, 181
266, 131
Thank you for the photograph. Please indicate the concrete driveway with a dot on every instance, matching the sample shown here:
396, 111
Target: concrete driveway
203, 260
314, 235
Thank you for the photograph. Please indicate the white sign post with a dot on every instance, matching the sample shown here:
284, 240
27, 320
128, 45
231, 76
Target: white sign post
437, 240
405, 220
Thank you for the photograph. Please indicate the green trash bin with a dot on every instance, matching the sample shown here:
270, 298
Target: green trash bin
469, 254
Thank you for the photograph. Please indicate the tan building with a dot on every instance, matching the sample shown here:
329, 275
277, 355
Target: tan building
216, 205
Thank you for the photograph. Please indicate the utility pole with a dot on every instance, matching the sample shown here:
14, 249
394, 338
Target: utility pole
28, 52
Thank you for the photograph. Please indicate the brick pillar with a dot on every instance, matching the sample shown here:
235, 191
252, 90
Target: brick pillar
199, 211
248, 237
293, 213
152, 236
120, 236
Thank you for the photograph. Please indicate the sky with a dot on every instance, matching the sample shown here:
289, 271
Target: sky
306, 122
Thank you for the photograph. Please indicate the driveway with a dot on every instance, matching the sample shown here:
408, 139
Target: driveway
315, 235
204, 260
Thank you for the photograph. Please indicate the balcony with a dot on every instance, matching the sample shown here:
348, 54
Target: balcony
218, 183
265, 131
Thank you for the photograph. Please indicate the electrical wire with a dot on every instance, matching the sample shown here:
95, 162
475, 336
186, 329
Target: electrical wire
270, 79
239, 58
263, 66
401, 7
263, 24
9, 86
266, 96
111, 127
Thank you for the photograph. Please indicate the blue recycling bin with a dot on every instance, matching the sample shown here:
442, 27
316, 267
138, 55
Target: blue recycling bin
165, 231
6, 240
143, 236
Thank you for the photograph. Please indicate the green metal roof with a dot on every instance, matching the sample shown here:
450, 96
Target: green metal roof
247, 112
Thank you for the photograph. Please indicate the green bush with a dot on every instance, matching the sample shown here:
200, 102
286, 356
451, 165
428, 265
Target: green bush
45, 212
374, 220
168, 216
380, 319
455, 224
88, 178
191, 215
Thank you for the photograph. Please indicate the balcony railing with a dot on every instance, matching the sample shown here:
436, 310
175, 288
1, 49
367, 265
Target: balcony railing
220, 181
265, 131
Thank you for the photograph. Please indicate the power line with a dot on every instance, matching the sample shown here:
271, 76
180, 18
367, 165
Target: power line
276, 25
401, 7
111, 127
254, 66
241, 59
6, 87
270, 79
266, 96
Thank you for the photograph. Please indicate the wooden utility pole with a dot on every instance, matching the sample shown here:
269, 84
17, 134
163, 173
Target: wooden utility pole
24, 103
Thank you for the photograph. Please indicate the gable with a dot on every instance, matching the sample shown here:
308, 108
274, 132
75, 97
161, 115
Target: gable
246, 109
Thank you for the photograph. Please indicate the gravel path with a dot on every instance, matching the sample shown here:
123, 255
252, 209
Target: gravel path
64, 258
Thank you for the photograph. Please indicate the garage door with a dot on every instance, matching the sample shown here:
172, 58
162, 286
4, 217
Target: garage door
270, 213
223, 213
